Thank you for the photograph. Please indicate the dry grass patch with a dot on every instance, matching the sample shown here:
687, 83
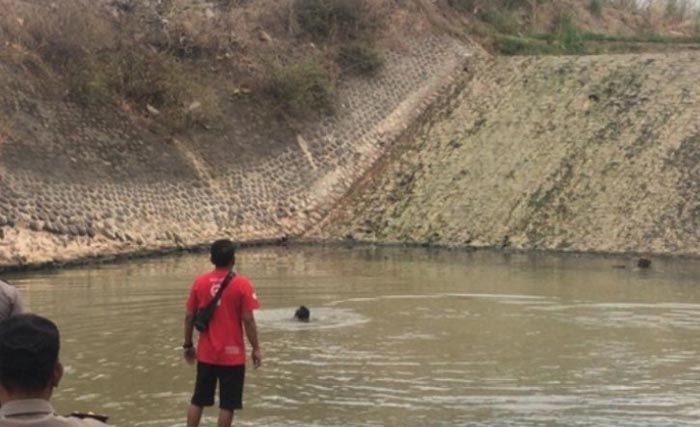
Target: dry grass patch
101, 58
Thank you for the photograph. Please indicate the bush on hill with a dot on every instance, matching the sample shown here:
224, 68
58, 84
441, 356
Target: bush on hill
302, 88
359, 58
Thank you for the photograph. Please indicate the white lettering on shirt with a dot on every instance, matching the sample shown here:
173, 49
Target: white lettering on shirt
232, 349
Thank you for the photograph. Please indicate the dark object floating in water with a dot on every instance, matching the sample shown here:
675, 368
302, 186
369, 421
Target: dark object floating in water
302, 314
619, 266
644, 263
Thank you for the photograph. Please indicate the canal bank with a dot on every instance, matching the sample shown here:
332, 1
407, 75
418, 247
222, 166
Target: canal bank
76, 186
581, 154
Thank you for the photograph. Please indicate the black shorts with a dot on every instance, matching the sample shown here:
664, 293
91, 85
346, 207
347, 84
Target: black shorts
230, 380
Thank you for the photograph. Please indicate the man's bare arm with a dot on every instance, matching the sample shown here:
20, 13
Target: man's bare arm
189, 328
187, 344
251, 331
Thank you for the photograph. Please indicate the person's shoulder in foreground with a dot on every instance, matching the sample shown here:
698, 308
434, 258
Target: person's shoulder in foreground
40, 413
29, 371
10, 302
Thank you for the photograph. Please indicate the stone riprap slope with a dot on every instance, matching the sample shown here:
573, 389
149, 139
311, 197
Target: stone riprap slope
77, 183
596, 153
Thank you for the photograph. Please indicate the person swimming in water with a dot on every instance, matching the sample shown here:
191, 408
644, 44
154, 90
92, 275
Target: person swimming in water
302, 314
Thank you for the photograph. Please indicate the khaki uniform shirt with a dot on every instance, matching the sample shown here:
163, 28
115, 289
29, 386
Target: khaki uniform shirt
38, 413
10, 303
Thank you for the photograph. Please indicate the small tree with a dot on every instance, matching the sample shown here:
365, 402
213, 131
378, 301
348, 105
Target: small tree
696, 23
677, 9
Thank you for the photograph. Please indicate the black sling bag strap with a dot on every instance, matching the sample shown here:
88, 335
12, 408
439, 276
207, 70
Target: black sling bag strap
203, 315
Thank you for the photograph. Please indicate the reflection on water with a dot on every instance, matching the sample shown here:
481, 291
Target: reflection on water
397, 337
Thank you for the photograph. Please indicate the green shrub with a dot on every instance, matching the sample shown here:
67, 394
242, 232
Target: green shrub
314, 16
677, 9
347, 14
504, 21
570, 38
323, 18
359, 58
302, 88
515, 4
462, 5
87, 83
595, 7
511, 45
143, 78
633, 5
67, 34
696, 24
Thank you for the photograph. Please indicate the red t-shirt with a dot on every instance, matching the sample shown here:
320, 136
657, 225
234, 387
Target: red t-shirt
222, 343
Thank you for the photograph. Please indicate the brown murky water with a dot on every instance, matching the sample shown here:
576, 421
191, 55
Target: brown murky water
399, 338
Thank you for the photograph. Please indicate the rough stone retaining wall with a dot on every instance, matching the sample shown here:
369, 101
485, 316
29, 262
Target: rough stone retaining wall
597, 153
77, 183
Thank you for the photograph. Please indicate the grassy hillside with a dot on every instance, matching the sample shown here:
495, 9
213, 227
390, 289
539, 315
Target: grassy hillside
537, 27
183, 65
187, 63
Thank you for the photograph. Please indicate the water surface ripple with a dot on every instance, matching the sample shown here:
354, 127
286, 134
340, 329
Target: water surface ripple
397, 338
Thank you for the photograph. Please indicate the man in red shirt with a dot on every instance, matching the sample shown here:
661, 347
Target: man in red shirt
220, 351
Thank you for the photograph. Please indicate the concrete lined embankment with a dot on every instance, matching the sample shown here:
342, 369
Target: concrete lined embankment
78, 183
593, 153
597, 153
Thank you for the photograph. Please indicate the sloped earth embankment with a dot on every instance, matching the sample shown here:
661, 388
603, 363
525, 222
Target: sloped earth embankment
598, 153
78, 183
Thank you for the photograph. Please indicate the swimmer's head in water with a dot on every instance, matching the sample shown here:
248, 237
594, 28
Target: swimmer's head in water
302, 314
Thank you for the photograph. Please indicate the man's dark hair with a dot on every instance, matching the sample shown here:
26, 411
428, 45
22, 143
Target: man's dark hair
302, 313
29, 347
223, 252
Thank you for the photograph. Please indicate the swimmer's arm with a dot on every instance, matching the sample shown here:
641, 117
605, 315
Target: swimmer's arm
251, 331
